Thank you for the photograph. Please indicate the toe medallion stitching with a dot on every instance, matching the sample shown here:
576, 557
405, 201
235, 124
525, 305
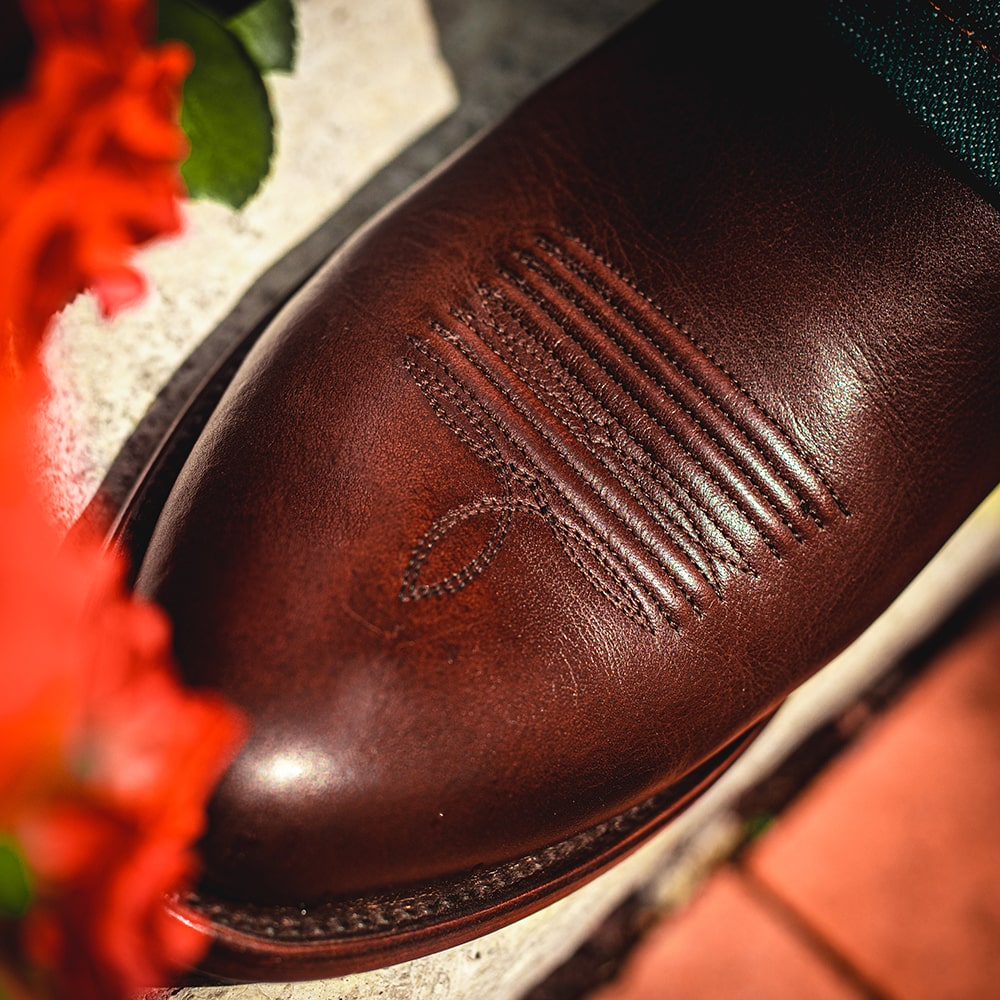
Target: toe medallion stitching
552, 437
570, 414
543, 374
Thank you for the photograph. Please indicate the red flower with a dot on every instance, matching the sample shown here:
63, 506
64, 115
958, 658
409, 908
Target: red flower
90, 163
105, 760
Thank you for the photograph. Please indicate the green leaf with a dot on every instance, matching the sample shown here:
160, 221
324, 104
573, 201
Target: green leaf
225, 112
267, 31
15, 880
757, 825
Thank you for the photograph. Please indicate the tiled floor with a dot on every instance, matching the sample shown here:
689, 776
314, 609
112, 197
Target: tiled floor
881, 881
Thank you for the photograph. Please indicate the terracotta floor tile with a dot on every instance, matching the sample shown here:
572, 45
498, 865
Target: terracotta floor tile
894, 855
725, 946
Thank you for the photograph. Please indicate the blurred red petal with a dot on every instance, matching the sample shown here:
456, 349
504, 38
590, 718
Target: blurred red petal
106, 761
118, 287
91, 163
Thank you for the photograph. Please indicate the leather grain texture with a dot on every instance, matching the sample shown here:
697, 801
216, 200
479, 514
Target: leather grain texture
564, 472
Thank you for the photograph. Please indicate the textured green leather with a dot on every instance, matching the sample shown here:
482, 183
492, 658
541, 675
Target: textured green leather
941, 58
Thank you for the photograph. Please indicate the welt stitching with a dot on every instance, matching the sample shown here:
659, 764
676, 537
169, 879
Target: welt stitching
571, 296
356, 916
452, 338
803, 456
734, 499
688, 536
968, 32
591, 282
599, 552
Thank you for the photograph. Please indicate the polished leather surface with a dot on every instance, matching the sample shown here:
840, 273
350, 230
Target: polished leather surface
570, 467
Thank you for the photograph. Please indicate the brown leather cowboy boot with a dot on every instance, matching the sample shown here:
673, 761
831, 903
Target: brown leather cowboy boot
562, 474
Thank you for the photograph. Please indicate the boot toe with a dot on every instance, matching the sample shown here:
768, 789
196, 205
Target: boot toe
555, 481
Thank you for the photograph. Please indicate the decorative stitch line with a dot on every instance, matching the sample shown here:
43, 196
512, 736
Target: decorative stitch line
648, 463
968, 32
797, 450
632, 486
545, 307
460, 345
503, 507
548, 391
669, 392
689, 539
589, 281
